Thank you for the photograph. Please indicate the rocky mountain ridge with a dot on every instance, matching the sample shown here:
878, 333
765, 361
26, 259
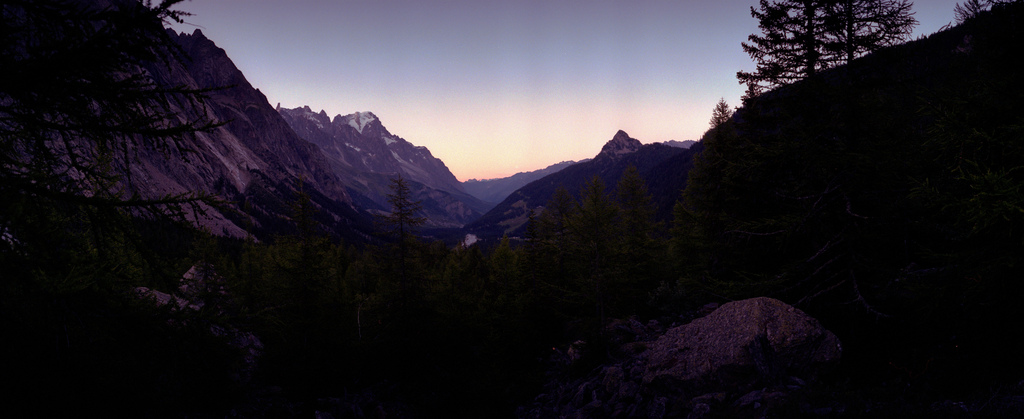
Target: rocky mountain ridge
359, 142
364, 153
254, 160
620, 144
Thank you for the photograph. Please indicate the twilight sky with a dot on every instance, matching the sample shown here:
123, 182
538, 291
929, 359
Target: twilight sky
498, 87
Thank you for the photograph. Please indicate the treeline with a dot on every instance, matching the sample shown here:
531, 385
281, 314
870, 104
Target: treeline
467, 327
884, 197
101, 320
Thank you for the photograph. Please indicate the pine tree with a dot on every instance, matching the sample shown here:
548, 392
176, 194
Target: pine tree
721, 114
640, 244
637, 222
790, 46
401, 226
77, 103
595, 229
712, 187
971, 8
505, 269
534, 245
553, 232
858, 27
802, 37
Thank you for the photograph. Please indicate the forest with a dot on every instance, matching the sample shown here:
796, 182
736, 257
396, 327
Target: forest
880, 192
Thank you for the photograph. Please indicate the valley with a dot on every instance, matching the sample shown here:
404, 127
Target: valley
845, 241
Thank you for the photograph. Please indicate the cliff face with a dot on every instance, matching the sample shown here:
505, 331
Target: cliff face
253, 157
366, 156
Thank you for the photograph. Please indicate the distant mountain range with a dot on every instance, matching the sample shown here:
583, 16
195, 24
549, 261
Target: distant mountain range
261, 157
367, 156
680, 144
496, 190
663, 168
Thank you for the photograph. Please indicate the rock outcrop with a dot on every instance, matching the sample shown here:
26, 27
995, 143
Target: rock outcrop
742, 343
620, 144
747, 358
201, 288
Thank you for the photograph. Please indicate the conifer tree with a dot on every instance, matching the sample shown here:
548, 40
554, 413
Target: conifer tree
641, 245
971, 8
595, 229
790, 46
802, 37
505, 269
711, 186
553, 232
637, 223
721, 114
77, 102
401, 226
858, 27
534, 245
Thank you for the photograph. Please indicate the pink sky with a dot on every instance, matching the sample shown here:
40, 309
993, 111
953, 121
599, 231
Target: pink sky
495, 88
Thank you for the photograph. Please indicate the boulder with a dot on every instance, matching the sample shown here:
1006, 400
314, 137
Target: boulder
743, 343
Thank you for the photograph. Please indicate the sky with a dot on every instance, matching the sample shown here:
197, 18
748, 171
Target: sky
493, 88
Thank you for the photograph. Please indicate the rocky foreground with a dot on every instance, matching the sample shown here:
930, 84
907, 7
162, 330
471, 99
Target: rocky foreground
752, 358
745, 356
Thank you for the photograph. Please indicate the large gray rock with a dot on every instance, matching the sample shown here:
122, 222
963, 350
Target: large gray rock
755, 341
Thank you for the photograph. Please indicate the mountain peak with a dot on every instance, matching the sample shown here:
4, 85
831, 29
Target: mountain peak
620, 144
358, 120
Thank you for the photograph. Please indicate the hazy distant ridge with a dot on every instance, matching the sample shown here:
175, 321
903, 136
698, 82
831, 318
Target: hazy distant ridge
664, 169
496, 190
680, 144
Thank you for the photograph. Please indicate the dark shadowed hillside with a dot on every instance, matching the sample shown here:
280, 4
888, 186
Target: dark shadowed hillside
884, 196
661, 166
496, 190
845, 245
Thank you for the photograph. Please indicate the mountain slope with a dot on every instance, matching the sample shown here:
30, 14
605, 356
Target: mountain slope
884, 196
496, 190
680, 144
366, 155
662, 167
255, 161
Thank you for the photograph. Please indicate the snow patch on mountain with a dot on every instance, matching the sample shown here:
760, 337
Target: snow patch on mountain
359, 120
312, 117
307, 113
